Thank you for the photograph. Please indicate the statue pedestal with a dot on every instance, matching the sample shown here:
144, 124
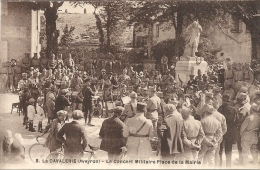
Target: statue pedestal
148, 64
189, 65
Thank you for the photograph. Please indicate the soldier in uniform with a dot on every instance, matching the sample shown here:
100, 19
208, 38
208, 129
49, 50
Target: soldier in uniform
23, 82
193, 135
25, 96
213, 134
35, 62
229, 91
164, 64
130, 108
249, 135
239, 73
69, 62
217, 95
17, 73
139, 130
248, 74
44, 61
229, 75
76, 80
153, 106
26, 63
243, 112
229, 137
34, 85
124, 78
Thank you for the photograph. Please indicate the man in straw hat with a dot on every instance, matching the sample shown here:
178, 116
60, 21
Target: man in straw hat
213, 134
76, 137
230, 136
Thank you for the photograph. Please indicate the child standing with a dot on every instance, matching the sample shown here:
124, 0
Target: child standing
31, 114
40, 113
50, 106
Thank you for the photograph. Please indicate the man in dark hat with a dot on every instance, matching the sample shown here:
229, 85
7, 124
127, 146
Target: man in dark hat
88, 103
111, 132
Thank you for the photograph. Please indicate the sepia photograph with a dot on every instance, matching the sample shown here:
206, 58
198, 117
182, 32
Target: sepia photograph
130, 84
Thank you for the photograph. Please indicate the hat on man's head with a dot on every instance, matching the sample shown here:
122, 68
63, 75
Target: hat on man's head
209, 95
152, 89
103, 70
141, 107
159, 94
119, 109
62, 113
242, 96
40, 99
226, 98
255, 107
77, 114
208, 108
244, 89
133, 94
31, 100
64, 91
24, 74
170, 107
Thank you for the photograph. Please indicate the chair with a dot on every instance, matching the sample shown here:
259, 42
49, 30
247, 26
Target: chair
17, 106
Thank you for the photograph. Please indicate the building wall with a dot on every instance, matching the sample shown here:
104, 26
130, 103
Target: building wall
235, 45
19, 31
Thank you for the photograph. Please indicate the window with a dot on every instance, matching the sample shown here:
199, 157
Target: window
141, 41
157, 30
236, 27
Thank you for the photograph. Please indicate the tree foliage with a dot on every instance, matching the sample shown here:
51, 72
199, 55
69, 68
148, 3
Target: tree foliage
67, 36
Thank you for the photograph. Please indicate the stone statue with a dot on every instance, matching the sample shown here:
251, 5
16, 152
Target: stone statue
193, 31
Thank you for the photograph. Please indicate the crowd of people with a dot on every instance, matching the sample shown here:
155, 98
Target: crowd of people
191, 121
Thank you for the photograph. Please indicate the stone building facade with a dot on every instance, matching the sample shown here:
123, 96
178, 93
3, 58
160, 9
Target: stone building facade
19, 30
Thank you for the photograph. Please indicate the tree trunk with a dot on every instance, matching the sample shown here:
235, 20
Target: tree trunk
100, 31
51, 33
150, 40
108, 24
178, 30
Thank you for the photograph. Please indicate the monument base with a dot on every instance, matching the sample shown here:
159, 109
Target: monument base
148, 64
189, 65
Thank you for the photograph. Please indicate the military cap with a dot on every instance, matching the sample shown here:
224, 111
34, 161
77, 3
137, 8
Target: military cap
152, 89
170, 107
51, 96
244, 89
257, 92
254, 107
226, 98
62, 113
40, 99
119, 109
141, 107
31, 100
63, 91
209, 94
133, 94
159, 94
216, 89
77, 114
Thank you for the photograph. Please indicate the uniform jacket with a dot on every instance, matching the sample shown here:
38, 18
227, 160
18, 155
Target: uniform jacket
111, 133
222, 120
50, 106
153, 105
130, 109
194, 133
230, 114
139, 146
171, 139
250, 128
212, 129
76, 137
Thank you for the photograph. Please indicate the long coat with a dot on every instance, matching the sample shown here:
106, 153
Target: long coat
111, 133
171, 141
52, 143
